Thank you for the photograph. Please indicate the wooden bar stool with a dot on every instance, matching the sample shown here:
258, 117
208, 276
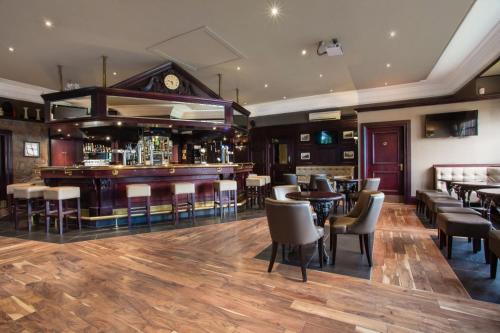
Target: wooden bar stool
229, 188
61, 195
255, 190
138, 191
33, 196
187, 189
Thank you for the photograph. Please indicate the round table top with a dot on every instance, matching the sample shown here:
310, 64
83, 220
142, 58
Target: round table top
346, 180
477, 184
314, 196
495, 192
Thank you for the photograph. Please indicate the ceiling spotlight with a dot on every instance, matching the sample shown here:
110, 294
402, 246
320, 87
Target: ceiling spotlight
238, 68
274, 10
108, 138
284, 97
392, 34
388, 65
77, 124
119, 123
304, 52
68, 135
48, 24
115, 73
214, 128
170, 126
11, 49
59, 130
321, 75
385, 83
266, 85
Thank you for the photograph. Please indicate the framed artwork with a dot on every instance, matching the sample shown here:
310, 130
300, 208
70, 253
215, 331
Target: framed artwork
305, 137
31, 149
348, 155
348, 135
305, 156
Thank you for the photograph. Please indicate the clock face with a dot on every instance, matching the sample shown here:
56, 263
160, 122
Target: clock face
171, 82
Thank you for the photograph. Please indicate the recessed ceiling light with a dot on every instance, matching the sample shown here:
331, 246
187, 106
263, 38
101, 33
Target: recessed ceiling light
115, 73
304, 52
266, 85
68, 135
11, 49
170, 126
321, 75
119, 123
59, 130
77, 124
49, 24
274, 10
238, 68
392, 34
108, 138
388, 65
284, 97
331, 90
385, 83
214, 128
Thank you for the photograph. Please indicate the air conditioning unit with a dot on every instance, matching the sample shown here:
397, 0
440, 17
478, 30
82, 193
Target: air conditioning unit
325, 115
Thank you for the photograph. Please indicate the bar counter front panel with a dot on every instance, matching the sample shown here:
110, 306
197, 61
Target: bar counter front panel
103, 189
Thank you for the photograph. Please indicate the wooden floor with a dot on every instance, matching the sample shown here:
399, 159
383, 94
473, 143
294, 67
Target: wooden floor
205, 279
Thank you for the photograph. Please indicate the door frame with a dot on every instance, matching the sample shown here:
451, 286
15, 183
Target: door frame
406, 126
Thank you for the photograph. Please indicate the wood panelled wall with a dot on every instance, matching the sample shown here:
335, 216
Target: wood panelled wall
262, 147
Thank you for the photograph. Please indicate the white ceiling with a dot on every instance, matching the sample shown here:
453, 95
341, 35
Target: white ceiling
125, 30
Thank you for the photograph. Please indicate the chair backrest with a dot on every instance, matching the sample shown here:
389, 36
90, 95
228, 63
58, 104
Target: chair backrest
312, 181
371, 184
280, 192
323, 185
291, 222
290, 179
368, 218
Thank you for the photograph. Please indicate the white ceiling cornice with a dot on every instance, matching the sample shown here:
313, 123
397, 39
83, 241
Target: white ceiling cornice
475, 45
22, 91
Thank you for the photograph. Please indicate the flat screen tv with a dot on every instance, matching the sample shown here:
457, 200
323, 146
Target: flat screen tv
456, 124
324, 137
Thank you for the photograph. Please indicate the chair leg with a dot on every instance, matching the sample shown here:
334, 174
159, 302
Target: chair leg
320, 251
361, 244
129, 212
273, 256
193, 205
476, 245
302, 264
78, 213
16, 216
449, 245
283, 258
235, 204
215, 207
148, 210
60, 216
487, 249
333, 246
47, 217
493, 265
442, 239
366, 239
221, 205
30, 213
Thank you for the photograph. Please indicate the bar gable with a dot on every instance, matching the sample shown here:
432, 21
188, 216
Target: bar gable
153, 80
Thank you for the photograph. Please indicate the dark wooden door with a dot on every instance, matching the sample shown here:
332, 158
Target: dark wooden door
282, 158
385, 157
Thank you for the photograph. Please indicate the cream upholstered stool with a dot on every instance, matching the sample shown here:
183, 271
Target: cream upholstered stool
179, 189
227, 188
138, 191
255, 190
60, 195
10, 195
32, 195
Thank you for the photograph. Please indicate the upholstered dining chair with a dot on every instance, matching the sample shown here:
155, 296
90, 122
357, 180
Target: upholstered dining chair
280, 192
291, 222
324, 185
312, 181
361, 221
368, 184
290, 179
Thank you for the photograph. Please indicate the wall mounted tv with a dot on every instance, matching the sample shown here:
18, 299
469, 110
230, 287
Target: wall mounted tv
456, 124
325, 137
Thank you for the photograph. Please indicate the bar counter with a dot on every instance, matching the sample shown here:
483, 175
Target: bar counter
103, 188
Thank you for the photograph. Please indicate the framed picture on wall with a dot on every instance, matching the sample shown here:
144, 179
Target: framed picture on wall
348, 135
348, 155
31, 149
305, 156
305, 137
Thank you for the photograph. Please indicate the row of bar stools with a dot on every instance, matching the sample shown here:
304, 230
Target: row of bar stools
223, 191
32, 196
138, 191
255, 190
177, 190
60, 195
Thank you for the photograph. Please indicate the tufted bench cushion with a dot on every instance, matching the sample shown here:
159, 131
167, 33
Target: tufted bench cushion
304, 172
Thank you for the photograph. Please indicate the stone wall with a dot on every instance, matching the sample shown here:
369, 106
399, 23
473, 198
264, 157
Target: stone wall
23, 167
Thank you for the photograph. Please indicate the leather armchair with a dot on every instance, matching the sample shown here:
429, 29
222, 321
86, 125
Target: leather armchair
362, 221
291, 222
312, 181
280, 192
368, 184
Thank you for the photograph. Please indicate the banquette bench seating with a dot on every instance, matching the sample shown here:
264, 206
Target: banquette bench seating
304, 172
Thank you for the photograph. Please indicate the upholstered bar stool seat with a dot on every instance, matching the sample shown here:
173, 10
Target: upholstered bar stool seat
138, 191
420, 198
494, 238
255, 189
458, 210
30, 194
179, 189
61, 194
465, 225
10, 195
438, 202
224, 188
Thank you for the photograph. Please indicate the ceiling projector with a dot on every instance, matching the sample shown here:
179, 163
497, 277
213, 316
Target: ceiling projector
332, 48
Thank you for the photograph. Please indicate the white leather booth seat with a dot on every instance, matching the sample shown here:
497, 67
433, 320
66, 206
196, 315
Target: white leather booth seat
305, 172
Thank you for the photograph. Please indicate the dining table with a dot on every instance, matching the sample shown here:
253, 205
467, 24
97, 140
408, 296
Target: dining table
347, 186
465, 189
490, 198
322, 203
